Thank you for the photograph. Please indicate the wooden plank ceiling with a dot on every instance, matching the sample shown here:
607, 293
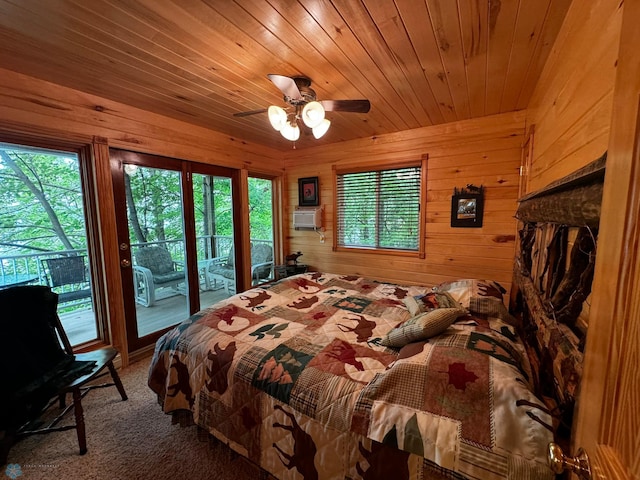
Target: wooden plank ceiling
419, 62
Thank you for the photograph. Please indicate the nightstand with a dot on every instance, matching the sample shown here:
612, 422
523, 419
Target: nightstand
283, 271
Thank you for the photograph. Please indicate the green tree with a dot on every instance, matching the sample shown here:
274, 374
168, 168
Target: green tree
41, 205
260, 208
155, 205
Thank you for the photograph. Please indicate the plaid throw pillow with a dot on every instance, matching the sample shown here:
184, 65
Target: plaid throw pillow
422, 326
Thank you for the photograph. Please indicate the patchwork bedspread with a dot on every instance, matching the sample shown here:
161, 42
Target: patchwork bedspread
293, 377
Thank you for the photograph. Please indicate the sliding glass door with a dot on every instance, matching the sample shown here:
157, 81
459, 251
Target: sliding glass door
175, 220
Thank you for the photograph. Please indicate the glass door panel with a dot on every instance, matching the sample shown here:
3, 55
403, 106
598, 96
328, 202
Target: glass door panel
261, 228
44, 234
213, 214
156, 231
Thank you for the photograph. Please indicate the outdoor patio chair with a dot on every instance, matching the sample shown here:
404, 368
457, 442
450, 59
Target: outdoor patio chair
261, 262
155, 269
222, 268
68, 277
43, 369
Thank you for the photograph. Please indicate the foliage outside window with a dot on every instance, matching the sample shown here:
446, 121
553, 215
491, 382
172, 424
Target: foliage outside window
42, 217
261, 208
212, 199
41, 207
154, 206
379, 209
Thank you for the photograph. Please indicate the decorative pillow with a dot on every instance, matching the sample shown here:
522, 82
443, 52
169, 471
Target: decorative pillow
478, 296
430, 301
422, 326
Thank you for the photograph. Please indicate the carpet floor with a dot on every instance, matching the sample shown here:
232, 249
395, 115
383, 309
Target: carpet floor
126, 440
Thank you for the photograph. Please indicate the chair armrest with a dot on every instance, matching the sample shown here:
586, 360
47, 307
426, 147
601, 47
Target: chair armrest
143, 286
178, 265
216, 261
263, 264
259, 265
142, 270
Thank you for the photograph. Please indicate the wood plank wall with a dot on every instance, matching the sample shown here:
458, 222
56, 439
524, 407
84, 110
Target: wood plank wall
483, 151
35, 107
570, 110
571, 106
32, 109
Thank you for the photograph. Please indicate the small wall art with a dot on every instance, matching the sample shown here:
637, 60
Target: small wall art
308, 192
467, 205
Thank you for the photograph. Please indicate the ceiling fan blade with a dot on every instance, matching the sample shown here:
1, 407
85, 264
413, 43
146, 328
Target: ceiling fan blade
250, 112
358, 106
287, 85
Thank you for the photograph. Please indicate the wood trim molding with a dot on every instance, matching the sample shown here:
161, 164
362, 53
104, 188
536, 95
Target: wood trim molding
424, 170
526, 161
243, 243
109, 247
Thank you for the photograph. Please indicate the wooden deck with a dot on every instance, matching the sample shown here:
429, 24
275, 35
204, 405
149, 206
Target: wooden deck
80, 325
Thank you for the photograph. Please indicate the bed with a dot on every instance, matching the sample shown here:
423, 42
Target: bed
322, 375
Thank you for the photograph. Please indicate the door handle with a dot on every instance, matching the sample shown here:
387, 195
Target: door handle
125, 263
559, 462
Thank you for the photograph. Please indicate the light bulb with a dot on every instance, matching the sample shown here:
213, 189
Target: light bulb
290, 131
321, 128
277, 117
312, 114
130, 169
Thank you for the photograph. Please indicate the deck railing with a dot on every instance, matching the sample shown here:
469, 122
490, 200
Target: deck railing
28, 268
14, 267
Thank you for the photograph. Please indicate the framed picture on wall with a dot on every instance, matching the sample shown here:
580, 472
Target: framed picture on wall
467, 207
308, 192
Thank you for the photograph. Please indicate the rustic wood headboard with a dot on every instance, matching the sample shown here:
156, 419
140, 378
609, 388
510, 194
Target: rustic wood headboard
553, 272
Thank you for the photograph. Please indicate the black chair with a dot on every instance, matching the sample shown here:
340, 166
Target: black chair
68, 277
39, 368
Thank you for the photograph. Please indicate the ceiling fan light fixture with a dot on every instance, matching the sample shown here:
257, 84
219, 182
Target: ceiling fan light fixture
277, 117
313, 114
290, 131
302, 105
320, 129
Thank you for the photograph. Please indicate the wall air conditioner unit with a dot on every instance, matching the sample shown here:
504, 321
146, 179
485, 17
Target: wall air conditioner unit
307, 218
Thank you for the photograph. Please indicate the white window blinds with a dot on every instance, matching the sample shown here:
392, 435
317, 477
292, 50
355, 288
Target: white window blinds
379, 209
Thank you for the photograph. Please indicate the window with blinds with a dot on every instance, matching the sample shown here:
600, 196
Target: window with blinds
379, 209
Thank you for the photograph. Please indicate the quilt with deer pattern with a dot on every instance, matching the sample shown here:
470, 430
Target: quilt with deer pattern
294, 376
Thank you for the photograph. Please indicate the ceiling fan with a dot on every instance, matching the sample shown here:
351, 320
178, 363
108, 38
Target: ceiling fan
303, 105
